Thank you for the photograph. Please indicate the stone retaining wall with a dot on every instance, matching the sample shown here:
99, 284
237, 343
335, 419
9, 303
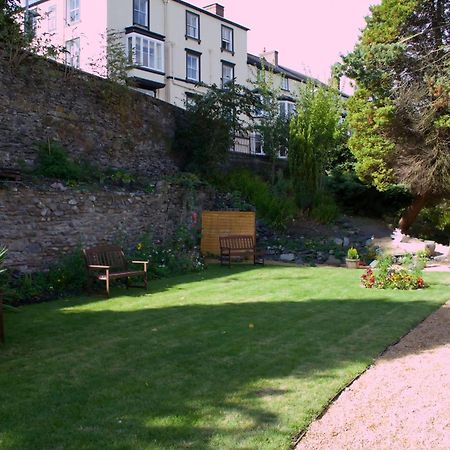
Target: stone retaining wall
103, 124
39, 224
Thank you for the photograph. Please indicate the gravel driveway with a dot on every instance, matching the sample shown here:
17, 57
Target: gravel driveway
402, 402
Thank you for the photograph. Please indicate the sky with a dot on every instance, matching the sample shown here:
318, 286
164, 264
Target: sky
310, 35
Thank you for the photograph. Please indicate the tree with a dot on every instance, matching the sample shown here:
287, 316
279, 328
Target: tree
17, 34
314, 132
399, 114
271, 124
206, 133
12, 38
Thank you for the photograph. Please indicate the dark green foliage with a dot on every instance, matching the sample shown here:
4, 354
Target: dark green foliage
118, 177
355, 197
400, 112
325, 209
276, 207
17, 35
66, 277
314, 132
434, 223
205, 134
10, 30
54, 162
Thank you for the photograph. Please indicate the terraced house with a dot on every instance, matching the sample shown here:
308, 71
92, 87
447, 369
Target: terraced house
178, 49
176, 46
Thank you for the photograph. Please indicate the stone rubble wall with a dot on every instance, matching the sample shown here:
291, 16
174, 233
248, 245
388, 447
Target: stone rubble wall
39, 224
97, 123
92, 119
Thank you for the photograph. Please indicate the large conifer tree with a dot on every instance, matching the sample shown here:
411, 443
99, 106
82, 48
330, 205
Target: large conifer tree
400, 114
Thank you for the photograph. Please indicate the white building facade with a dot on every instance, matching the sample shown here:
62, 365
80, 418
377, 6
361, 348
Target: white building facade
178, 49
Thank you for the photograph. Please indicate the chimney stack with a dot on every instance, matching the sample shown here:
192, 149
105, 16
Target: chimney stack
271, 57
216, 9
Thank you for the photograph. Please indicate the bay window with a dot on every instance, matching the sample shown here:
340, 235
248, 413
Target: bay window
146, 52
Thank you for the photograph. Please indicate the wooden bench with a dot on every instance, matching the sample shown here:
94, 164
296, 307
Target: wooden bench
108, 262
238, 246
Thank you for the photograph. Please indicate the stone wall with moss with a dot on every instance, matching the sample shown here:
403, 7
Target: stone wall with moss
104, 124
39, 223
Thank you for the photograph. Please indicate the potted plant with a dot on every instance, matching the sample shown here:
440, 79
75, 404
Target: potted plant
352, 259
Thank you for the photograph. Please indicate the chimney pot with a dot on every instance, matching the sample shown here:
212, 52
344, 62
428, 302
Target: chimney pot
216, 9
271, 57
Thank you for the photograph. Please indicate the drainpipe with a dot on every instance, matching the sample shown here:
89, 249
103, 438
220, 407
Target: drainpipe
167, 54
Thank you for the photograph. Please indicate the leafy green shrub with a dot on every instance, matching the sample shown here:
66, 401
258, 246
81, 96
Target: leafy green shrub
403, 273
69, 276
118, 177
54, 162
276, 209
175, 257
433, 223
325, 209
352, 253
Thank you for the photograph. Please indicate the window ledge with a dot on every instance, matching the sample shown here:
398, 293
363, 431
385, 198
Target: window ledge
199, 41
226, 50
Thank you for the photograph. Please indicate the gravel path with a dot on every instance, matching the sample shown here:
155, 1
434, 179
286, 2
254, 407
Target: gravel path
402, 402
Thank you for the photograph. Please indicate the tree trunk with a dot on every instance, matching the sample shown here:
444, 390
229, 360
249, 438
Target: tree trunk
411, 213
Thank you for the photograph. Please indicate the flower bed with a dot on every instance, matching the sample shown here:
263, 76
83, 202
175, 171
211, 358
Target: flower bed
403, 273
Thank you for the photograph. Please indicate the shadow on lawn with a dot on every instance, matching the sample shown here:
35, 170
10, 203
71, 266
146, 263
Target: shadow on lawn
190, 376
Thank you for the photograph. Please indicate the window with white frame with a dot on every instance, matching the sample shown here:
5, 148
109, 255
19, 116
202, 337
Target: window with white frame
73, 11
287, 108
227, 39
192, 66
227, 74
256, 144
140, 13
73, 52
285, 84
146, 52
192, 25
51, 18
283, 153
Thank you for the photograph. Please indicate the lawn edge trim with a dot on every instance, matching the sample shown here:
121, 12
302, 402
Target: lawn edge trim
298, 437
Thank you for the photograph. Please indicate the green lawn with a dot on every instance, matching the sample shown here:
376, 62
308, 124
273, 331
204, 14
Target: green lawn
226, 359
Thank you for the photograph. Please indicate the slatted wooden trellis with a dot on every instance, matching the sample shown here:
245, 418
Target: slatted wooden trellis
225, 223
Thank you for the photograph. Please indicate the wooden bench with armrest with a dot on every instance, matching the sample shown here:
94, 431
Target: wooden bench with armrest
239, 246
108, 262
